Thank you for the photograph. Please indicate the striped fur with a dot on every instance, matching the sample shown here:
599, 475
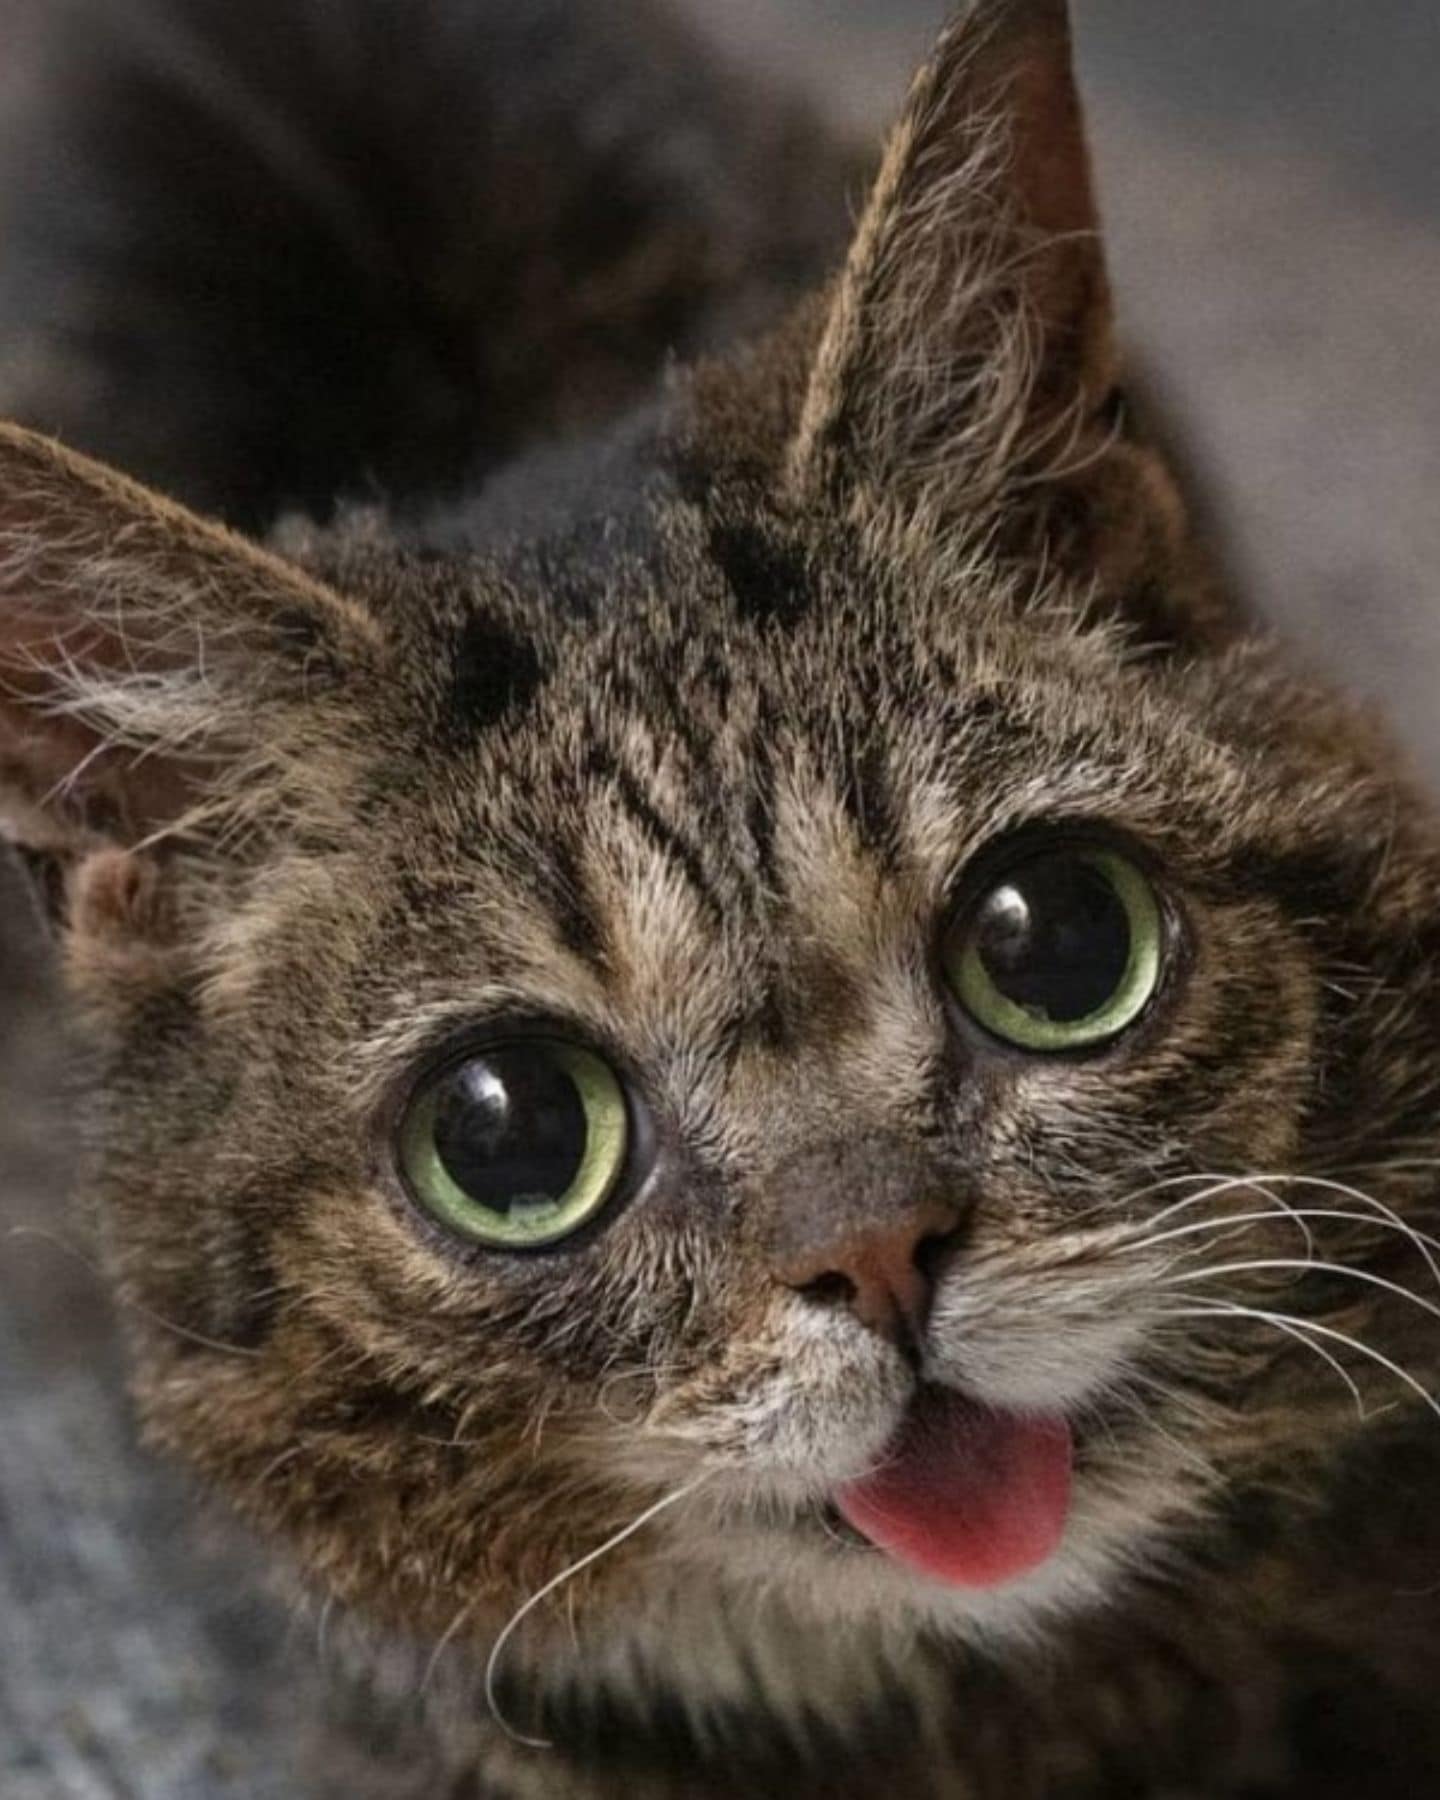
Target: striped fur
684, 739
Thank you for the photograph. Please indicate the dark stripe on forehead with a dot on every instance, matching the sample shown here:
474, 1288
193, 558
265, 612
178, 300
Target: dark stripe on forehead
760, 805
670, 840
870, 800
560, 876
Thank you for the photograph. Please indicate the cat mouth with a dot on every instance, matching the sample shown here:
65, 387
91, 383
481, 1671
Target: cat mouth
965, 1494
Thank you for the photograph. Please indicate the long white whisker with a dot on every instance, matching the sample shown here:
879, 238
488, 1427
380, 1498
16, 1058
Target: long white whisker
1282, 1324
1359, 1195
1298, 1213
1263, 1180
1220, 1309
1217, 1184
1294, 1263
492, 1663
1220, 1225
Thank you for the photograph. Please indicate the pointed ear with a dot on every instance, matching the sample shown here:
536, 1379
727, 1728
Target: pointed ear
141, 652
971, 325
966, 369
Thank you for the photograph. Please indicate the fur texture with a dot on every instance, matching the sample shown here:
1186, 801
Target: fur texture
684, 739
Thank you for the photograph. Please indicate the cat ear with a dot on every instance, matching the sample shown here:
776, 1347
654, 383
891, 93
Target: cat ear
971, 324
966, 367
141, 650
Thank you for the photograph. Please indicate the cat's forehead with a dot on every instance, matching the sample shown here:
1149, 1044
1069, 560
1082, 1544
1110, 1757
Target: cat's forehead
736, 645
672, 810
707, 683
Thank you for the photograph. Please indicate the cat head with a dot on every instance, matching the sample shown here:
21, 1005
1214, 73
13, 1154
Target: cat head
800, 961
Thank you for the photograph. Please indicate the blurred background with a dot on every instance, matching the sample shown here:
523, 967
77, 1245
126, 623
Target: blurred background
1271, 179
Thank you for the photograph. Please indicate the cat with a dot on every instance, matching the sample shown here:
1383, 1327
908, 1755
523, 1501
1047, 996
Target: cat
760, 1077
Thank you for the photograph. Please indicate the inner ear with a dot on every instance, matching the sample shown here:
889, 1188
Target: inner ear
62, 776
142, 652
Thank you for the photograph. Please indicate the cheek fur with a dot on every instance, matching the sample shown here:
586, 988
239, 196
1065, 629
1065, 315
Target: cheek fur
1043, 1328
805, 1395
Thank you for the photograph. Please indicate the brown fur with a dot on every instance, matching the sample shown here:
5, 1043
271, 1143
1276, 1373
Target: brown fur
684, 744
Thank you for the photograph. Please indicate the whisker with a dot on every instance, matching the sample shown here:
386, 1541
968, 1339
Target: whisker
275, 1465
1224, 1222
611, 1543
1298, 1213
1361, 1197
1266, 1179
1223, 1309
1111, 1202
1283, 1325
655, 1372
1218, 1185
1343, 1270
444, 1641
128, 1302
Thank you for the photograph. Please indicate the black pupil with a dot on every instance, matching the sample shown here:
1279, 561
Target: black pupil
510, 1128
1055, 938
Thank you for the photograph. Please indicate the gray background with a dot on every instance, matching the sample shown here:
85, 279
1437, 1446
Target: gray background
1271, 172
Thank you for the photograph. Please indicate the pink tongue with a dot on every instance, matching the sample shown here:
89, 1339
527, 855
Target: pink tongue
964, 1494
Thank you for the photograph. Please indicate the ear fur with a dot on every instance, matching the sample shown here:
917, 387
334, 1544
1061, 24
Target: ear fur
971, 326
140, 649
966, 370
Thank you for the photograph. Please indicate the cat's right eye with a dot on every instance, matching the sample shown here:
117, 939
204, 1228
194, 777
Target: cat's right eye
517, 1144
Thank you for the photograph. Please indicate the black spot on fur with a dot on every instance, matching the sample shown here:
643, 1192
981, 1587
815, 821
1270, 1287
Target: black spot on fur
496, 675
767, 578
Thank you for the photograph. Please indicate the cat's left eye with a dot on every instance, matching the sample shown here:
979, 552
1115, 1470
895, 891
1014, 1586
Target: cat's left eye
518, 1144
1062, 951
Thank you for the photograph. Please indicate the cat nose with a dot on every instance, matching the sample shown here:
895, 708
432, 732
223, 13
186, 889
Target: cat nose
884, 1273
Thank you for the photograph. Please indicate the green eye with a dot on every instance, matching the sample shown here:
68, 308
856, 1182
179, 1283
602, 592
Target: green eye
518, 1145
1061, 953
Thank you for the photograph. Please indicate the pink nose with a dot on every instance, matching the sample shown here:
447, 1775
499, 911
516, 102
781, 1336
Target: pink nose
884, 1272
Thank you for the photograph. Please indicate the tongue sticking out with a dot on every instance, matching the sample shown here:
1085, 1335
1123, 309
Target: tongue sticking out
966, 1495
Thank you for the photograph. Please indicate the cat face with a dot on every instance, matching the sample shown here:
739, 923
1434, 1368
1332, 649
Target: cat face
918, 949
726, 860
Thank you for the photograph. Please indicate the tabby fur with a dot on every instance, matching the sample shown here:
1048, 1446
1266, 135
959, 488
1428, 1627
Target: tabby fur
681, 733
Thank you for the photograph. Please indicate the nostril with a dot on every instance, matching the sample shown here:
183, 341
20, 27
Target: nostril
833, 1288
885, 1273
